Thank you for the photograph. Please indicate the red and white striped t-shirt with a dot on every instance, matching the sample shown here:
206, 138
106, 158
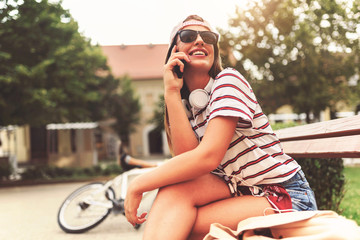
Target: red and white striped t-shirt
255, 155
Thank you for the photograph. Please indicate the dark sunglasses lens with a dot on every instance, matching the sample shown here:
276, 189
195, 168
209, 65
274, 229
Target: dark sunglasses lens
188, 36
209, 37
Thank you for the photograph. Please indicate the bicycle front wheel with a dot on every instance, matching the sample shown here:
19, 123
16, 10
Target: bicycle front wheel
85, 208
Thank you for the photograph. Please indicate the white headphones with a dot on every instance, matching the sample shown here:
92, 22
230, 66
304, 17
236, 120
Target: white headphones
198, 99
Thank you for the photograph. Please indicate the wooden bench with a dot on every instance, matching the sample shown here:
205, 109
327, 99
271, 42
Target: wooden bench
328, 139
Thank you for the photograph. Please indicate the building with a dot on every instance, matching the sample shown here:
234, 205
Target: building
84, 144
144, 65
71, 144
62, 145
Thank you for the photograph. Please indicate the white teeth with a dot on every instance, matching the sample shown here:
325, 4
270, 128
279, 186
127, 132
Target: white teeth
198, 53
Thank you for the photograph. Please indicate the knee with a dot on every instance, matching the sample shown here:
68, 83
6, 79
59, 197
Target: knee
171, 191
176, 193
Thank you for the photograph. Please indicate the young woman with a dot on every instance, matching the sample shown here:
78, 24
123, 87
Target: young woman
228, 164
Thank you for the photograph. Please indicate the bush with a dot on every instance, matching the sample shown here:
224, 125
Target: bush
277, 126
112, 169
326, 178
46, 172
31, 173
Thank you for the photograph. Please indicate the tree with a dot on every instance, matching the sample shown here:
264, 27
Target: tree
125, 107
159, 113
48, 71
298, 52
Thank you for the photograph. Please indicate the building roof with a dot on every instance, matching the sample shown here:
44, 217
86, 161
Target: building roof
136, 61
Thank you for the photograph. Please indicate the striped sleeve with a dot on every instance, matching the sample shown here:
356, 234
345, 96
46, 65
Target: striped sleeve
232, 96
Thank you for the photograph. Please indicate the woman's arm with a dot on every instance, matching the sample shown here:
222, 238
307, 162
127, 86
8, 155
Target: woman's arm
197, 162
183, 138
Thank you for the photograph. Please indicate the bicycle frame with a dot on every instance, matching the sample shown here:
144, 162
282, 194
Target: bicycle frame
123, 180
91, 203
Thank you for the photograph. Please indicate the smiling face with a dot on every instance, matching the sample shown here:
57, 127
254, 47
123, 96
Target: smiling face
200, 53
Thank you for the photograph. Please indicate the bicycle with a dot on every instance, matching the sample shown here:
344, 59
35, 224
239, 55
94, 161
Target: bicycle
91, 204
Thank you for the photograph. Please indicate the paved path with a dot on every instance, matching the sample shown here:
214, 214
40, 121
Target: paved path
30, 213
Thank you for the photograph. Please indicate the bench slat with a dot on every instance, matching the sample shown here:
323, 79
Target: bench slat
348, 146
333, 128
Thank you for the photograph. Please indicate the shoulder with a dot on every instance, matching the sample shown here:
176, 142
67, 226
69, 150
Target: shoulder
228, 70
231, 75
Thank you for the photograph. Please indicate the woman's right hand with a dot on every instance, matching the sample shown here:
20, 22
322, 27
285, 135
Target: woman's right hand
171, 81
131, 205
181, 134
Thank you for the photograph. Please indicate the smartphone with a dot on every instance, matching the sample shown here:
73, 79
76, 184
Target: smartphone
177, 69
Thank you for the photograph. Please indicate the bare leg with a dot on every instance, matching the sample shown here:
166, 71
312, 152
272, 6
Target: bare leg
228, 212
141, 163
133, 161
174, 211
128, 162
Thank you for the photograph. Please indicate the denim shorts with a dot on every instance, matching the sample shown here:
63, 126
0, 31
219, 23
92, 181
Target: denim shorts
302, 196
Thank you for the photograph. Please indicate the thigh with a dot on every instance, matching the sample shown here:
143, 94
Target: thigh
229, 212
198, 192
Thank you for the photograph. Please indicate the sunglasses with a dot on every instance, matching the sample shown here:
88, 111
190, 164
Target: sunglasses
188, 36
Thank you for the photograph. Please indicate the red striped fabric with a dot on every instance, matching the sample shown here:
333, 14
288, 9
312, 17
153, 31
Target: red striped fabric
255, 155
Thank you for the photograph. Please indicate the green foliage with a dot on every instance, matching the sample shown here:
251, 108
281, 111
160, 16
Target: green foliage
278, 126
159, 112
326, 178
297, 52
125, 107
48, 71
350, 206
53, 173
112, 169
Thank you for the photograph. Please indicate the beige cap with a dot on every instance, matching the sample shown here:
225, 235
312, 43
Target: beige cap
181, 25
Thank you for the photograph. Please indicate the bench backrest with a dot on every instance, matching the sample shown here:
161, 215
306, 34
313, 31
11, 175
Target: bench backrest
328, 139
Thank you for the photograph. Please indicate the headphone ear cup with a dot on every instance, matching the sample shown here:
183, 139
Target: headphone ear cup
199, 98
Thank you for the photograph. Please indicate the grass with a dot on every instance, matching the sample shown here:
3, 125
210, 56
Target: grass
350, 205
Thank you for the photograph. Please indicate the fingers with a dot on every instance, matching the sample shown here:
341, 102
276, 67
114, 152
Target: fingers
178, 58
180, 64
132, 202
180, 55
173, 50
142, 218
133, 219
173, 69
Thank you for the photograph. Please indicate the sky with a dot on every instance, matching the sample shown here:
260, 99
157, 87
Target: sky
131, 22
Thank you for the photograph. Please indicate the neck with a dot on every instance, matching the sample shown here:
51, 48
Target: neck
196, 80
